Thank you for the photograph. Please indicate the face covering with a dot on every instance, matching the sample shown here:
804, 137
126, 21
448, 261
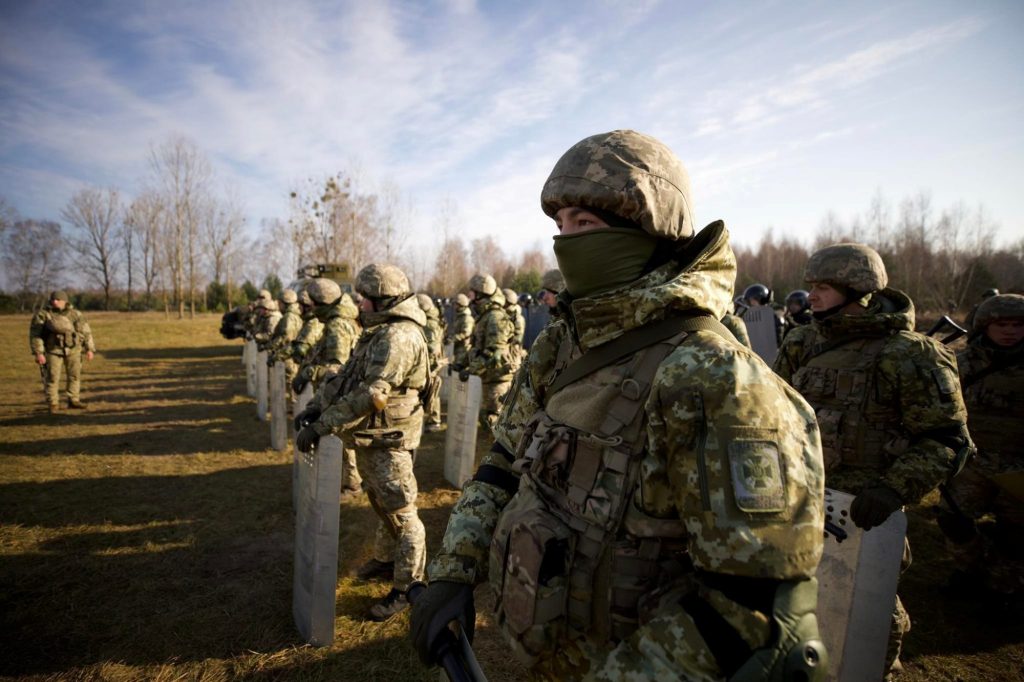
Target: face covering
604, 259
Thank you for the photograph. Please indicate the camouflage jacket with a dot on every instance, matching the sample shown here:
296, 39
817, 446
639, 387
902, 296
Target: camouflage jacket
60, 331
993, 387
287, 329
460, 335
332, 351
491, 356
887, 398
264, 326
308, 336
515, 313
376, 394
738, 328
432, 330
708, 394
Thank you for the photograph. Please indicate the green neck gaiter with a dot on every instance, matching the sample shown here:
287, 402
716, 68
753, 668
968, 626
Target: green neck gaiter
604, 259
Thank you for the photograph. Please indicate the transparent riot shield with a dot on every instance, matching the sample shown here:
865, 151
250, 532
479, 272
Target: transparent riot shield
278, 408
262, 386
250, 368
301, 401
460, 441
316, 542
761, 323
857, 580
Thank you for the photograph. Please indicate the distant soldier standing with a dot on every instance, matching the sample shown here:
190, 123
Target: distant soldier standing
492, 356
308, 336
285, 333
888, 403
57, 336
460, 333
433, 333
375, 400
551, 283
515, 313
266, 318
988, 551
798, 310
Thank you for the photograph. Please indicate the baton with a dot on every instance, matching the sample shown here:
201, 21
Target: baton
454, 651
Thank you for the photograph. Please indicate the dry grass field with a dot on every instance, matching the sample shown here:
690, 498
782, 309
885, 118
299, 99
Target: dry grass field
150, 537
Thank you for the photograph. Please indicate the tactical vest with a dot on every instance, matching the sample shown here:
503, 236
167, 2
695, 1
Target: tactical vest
59, 333
995, 409
571, 552
841, 384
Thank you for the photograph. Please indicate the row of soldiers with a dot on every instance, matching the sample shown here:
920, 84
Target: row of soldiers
652, 504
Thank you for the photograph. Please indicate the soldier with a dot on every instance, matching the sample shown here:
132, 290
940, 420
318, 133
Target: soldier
308, 336
985, 295
338, 315
57, 336
633, 516
434, 335
286, 331
265, 322
987, 551
515, 313
798, 310
460, 334
756, 296
492, 358
551, 283
893, 423
252, 315
376, 401
735, 325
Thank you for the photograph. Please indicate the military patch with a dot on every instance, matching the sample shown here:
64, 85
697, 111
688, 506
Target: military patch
757, 476
945, 381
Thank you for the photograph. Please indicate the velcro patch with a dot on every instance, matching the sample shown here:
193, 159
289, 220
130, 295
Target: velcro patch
757, 476
945, 380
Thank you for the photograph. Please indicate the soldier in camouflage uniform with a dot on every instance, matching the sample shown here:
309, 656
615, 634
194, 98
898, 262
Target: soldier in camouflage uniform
798, 310
633, 516
892, 420
434, 335
266, 317
551, 282
460, 333
376, 401
987, 526
308, 336
515, 313
286, 331
57, 336
492, 357
252, 314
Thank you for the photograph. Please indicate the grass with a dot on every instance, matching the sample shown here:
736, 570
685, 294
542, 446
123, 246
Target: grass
150, 537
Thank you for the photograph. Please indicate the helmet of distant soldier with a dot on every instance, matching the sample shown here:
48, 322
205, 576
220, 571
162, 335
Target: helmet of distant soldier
462, 300
989, 293
798, 296
264, 294
510, 295
853, 266
525, 299
759, 293
380, 280
426, 303
59, 295
483, 284
288, 296
998, 307
304, 298
324, 291
552, 280
626, 173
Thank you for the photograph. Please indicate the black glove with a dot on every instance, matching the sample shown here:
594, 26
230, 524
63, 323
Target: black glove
307, 439
464, 375
299, 383
873, 506
307, 416
441, 603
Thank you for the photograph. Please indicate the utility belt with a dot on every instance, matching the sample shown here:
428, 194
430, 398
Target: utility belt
396, 426
64, 341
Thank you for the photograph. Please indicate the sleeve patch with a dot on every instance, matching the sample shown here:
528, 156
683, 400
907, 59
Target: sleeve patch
757, 476
944, 380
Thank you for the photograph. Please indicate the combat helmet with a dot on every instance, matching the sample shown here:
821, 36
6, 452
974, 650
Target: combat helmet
288, 296
264, 294
629, 174
510, 296
426, 303
462, 300
552, 281
759, 293
483, 284
323, 291
853, 266
382, 281
999, 307
304, 299
798, 296
989, 293
59, 295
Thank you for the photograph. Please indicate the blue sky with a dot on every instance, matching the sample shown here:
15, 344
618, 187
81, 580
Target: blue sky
781, 111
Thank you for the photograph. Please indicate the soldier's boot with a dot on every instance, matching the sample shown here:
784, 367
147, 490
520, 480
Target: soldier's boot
391, 605
434, 427
348, 493
374, 569
54, 408
75, 404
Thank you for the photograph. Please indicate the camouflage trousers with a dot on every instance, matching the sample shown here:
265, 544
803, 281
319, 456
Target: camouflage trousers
994, 553
291, 368
433, 401
899, 626
491, 397
350, 478
391, 487
71, 366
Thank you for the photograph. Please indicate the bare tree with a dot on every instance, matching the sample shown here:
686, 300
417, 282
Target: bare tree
222, 222
145, 218
95, 213
33, 257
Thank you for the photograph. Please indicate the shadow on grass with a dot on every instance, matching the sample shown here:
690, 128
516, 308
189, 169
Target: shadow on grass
124, 355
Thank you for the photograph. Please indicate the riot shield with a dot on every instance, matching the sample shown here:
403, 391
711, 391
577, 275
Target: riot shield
761, 324
446, 377
250, 368
537, 317
460, 441
262, 386
278, 408
316, 542
300, 404
857, 580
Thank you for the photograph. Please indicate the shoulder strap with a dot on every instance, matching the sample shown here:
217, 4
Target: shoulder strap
825, 346
633, 341
991, 369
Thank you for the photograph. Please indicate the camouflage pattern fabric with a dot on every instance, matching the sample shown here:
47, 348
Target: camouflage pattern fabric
400, 536
738, 329
856, 266
308, 336
493, 356
515, 313
340, 333
708, 394
62, 336
280, 345
434, 335
460, 335
265, 324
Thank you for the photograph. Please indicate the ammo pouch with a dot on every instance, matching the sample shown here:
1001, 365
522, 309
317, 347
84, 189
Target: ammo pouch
63, 331
394, 427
